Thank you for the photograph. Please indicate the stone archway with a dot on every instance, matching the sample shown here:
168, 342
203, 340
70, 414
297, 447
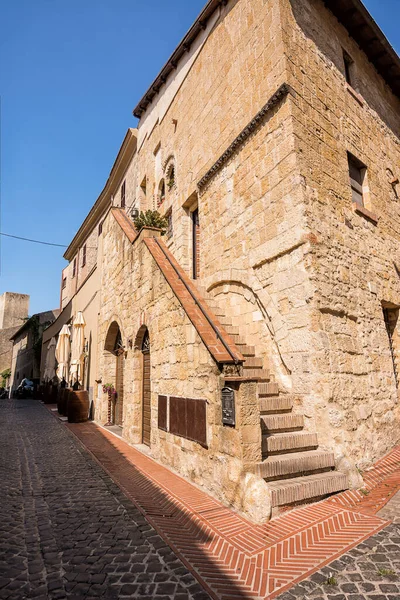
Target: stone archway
115, 355
142, 344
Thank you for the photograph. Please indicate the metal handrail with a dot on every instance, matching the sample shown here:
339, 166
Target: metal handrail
215, 328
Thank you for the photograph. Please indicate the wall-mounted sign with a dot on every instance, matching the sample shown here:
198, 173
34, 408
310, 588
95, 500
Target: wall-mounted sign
228, 406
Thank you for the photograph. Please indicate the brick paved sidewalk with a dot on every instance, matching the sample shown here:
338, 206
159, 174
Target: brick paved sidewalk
66, 529
230, 556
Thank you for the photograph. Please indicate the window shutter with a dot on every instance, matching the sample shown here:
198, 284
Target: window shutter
162, 412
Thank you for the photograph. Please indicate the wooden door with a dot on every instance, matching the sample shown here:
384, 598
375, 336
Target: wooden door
146, 422
119, 387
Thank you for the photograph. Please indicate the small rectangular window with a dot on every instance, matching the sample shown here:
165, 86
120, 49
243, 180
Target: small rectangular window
357, 173
169, 219
74, 268
348, 68
84, 255
123, 195
100, 227
64, 283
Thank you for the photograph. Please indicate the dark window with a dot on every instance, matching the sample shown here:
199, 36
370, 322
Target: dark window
187, 418
357, 176
84, 255
169, 219
161, 193
162, 412
100, 227
348, 67
64, 282
123, 195
196, 244
74, 268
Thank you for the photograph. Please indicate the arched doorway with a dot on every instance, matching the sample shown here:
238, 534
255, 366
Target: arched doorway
146, 395
115, 356
119, 379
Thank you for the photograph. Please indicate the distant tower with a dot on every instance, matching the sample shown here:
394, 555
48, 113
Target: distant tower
13, 312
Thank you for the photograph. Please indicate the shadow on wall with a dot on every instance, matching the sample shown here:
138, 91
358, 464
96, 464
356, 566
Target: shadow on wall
323, 36
160, 509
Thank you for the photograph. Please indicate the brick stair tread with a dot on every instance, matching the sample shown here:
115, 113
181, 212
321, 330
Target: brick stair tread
281, 442
275, 404
295, 463
253, 362
269, 389
258, 373
288, 491
281, 422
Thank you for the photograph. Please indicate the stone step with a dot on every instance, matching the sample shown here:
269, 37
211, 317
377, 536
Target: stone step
261, 374
224, 320
268, 389
246, 350
237, 338
289, 491
289, 422
288, 442
276, 404
232, 330
297, 464
253, 362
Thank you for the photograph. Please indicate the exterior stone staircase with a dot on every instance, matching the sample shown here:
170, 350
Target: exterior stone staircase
294, 468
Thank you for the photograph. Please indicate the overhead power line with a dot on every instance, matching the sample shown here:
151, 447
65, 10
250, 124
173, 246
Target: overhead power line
17, 237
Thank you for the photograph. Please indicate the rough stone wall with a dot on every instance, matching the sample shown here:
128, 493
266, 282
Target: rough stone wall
350, 391
134, 293
13, 309
6, 347
239, 67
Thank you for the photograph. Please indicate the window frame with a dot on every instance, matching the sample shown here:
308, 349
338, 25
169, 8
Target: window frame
123, 194
84, 255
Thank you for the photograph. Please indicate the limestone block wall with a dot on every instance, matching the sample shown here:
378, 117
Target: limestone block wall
240, 65
353, 262
135, 294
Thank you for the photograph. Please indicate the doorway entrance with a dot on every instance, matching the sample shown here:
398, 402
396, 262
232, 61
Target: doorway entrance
146, 418
119, 380
391, 316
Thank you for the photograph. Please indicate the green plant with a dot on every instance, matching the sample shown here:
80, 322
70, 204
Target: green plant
151, 218
108, 388
5, 376
383, 571
331, 580
364, 492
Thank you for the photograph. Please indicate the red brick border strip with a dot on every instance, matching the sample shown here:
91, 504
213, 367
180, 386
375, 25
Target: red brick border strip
231, 557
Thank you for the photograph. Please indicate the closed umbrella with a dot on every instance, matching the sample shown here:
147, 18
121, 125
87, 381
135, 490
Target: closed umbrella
63, 349
50, 363
78, 341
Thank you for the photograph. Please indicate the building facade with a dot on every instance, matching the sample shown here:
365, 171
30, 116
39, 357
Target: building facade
254, 347
27, 346
13, 313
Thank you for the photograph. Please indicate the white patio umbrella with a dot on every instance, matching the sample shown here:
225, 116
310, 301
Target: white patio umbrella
63, 349
50, 362
78, 342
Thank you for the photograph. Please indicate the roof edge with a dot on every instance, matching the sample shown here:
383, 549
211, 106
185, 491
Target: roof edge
172, 62
125, 154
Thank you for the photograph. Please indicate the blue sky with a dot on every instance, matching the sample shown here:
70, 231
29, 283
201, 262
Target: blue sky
70, 75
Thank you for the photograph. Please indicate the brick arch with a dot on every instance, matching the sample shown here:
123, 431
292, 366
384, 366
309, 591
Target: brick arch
272, 317
139, 337
111, 336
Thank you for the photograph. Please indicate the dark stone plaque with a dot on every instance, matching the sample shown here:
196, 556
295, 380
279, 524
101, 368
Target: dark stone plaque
228, 406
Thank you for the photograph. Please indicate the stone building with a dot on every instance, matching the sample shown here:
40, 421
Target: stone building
26, 347
13, 313
254, 347
80, 280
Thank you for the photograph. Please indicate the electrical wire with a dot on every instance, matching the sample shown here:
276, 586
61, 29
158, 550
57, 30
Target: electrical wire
17, 237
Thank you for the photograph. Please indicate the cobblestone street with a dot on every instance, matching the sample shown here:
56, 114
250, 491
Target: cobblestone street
66, 530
